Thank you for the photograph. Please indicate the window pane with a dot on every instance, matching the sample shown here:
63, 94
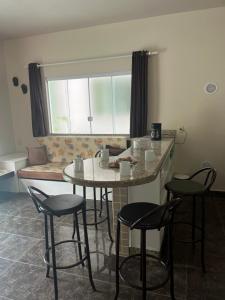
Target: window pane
105, 99
58, 102
101, 105
79, 105
121, 100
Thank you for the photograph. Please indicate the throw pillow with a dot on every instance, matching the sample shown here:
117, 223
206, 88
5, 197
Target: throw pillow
37, 155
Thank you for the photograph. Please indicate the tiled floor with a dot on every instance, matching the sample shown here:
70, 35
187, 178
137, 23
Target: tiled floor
22, 272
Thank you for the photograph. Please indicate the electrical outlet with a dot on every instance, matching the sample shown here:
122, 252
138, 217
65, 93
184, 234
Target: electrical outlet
181, 129
181, 135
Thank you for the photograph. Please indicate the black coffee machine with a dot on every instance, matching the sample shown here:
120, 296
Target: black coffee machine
156, 131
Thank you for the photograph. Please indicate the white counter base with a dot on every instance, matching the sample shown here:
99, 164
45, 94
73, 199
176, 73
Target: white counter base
11, 163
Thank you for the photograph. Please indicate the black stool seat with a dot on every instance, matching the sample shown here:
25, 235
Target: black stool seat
134, 211
185, 187
63, 204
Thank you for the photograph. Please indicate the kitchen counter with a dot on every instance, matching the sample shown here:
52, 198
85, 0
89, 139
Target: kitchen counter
145, 183
97, 174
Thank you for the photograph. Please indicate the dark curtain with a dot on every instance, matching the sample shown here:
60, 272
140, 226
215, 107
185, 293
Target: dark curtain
37, 98
139, 94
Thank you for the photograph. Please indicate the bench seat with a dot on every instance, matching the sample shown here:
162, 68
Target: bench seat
61, 150
50, 171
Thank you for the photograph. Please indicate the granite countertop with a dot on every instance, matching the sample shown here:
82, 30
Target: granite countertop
97, 175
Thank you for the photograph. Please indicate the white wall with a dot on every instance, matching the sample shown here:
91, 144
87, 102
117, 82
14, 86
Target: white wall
6, 130
192, 53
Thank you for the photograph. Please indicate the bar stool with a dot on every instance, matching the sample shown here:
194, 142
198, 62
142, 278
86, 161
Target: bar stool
190, 187
57, 206
104, 197
145, 216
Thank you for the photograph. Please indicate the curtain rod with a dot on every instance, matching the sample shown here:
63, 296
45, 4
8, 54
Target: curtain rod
77, 61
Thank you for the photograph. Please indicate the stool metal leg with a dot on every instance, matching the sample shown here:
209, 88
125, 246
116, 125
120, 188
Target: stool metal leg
193, 220
78, 236
171, 267
143, 262
108, 214
164, 250
95, 208
101, 195
86, 241
53, 258
203, 234
117, 259
168, 196
74, 225
74, 189
47, 244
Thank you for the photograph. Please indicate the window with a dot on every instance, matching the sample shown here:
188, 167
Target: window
93, 105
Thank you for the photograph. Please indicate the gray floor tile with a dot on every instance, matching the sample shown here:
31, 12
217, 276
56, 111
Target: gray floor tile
22, 271
4, 266
15, 246
22, 226
19, 281
34, 255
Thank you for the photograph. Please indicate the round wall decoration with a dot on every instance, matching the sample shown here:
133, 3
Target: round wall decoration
210, 88
24, 88
15, 81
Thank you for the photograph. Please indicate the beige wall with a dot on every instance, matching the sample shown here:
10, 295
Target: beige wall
192, 53
6, 130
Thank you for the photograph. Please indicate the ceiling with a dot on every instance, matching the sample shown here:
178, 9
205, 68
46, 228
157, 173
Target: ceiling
20, 18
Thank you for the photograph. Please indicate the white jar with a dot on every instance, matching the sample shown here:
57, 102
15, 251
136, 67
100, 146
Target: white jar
124, 168
79, 164
105, 155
